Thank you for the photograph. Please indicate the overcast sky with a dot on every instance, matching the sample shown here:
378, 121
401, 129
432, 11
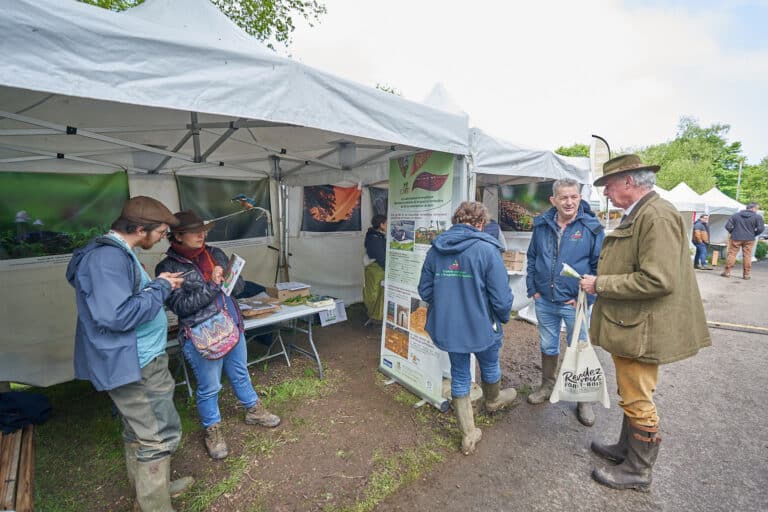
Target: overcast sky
551, 73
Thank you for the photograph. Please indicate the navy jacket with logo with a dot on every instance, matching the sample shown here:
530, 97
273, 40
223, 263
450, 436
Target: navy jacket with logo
579, 247
465, 284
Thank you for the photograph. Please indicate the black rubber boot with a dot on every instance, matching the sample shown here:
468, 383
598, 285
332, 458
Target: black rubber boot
615, 453
636, 470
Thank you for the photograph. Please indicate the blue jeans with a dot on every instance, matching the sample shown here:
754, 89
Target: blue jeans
490, 371
550, 315
208, 375
700, 260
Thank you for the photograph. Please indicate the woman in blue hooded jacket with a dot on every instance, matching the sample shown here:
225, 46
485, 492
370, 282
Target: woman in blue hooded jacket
466, 287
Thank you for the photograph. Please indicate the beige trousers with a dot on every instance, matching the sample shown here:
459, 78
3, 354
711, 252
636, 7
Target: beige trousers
637, 383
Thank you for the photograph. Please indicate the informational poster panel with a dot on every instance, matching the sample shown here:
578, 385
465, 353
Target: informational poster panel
420, 208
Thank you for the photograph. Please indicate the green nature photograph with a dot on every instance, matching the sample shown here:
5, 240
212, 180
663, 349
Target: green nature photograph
45, 214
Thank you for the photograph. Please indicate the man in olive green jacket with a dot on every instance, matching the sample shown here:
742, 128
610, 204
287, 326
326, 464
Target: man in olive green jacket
648, 312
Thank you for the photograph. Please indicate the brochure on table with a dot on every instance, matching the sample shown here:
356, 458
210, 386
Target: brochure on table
420, 191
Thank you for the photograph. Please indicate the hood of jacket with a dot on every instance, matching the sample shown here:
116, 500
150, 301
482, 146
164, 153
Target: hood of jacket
460, 237
79, 254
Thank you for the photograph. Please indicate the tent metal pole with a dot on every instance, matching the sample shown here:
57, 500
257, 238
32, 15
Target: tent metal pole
73, 130
167, 159
195, 136
281, 272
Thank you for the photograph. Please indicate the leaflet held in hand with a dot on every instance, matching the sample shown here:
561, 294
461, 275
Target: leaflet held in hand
231, 273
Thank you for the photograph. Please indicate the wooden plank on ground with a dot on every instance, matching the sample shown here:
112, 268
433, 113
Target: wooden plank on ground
5, 462
25, 489
11, 474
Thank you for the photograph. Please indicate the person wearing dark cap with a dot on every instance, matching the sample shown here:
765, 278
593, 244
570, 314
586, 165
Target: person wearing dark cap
648, 312
120, 344
199, 299
743, 227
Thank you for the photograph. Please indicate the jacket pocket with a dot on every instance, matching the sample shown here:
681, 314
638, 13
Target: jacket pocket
624, 331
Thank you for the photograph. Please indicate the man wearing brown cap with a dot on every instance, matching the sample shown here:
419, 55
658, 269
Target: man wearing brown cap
648, 312
120, 344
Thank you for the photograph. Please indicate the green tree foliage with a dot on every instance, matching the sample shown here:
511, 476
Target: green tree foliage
269, 21
575, 150
754, 184
389, 89
702, 157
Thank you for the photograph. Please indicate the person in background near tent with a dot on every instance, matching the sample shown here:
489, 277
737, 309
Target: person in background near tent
376, 259
465, 284
199, 299
648, 312
120, 344
568, 233
493, 229
701, 241
743, 227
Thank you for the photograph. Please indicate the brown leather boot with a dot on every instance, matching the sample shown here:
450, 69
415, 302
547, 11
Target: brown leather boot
636, 470
258, 415
615, 453
497, 398
548, 377
215, 443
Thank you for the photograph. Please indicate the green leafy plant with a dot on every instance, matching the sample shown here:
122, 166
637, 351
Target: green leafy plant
761, 251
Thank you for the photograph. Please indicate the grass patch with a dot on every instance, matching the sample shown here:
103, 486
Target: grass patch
203, 494
394, 471
405, 397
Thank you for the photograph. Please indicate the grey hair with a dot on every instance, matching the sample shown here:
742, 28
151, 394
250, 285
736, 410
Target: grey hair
643, 179
564, 182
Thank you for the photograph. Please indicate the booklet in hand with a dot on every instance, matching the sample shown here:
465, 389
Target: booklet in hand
231, 273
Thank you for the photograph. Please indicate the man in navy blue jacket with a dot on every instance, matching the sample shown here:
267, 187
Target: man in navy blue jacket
566, 233
465, 284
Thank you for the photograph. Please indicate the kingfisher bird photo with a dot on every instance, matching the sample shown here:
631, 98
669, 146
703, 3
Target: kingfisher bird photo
246, 202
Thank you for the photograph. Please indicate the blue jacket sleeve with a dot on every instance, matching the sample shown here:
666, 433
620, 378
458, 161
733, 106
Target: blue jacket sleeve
109, 291
497, 285
530, 265
427, 279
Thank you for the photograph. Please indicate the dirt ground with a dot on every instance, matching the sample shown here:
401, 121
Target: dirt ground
359, 445
331, 446
346, 448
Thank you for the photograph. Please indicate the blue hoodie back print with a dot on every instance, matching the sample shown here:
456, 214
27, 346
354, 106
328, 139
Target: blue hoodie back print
465, 284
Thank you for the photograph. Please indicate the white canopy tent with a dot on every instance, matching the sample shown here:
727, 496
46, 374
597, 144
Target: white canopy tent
173, 87
720, 208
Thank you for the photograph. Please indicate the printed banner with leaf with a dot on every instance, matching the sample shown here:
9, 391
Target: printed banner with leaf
328, 209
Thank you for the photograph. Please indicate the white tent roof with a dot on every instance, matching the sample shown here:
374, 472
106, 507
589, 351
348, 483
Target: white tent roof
503, 163
719, 203
178, 73
685, 199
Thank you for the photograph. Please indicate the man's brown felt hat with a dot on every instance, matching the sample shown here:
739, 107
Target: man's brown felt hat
622, 164
146, 210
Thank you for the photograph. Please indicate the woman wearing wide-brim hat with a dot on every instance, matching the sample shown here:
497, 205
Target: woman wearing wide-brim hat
199, 299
